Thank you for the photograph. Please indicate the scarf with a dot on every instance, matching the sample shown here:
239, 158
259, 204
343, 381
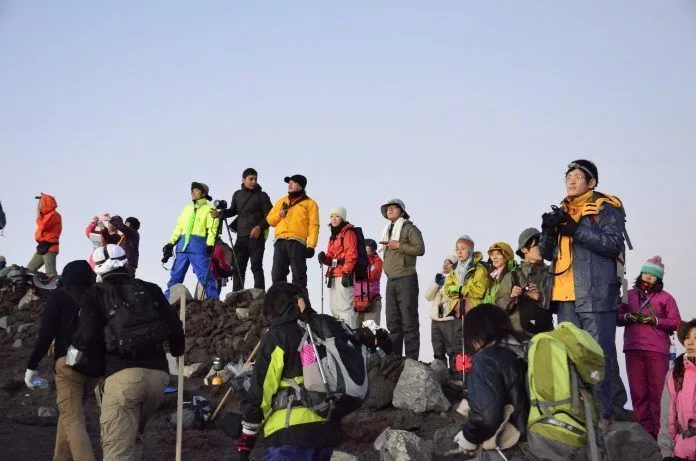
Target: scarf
395, 233
337, 230
462, 268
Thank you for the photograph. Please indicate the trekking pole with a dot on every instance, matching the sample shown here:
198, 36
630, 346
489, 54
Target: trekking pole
229, 390
180, 380
321, 275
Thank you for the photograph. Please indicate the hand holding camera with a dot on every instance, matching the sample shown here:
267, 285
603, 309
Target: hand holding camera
167, 252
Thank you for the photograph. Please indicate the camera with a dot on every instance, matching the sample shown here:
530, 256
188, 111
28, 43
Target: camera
220, 204
526, 288
552, 219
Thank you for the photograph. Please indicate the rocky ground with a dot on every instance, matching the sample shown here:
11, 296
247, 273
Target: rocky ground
406, 396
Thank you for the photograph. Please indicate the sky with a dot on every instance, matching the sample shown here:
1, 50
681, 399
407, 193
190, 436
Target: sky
467, 111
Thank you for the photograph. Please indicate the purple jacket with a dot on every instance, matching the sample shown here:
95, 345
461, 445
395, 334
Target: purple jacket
654, 338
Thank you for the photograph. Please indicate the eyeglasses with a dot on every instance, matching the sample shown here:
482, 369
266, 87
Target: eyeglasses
574, 177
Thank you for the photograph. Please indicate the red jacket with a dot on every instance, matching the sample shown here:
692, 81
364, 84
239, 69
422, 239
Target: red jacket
344, 247
374, 274
49, 223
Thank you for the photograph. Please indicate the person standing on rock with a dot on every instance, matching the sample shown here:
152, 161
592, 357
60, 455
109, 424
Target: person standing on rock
303, 434
137, 371
250, 204
340, 259
72, 387
446, 329
194, 237
49, 225
296, 221
370, 288
129, 239
402, 243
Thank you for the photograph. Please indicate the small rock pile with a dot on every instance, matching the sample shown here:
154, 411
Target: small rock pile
19, 327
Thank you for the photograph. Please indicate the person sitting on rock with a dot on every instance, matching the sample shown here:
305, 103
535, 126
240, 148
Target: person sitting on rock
303, 434
497, 393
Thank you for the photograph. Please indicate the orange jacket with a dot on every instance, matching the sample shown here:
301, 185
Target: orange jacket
344, 246
49, 223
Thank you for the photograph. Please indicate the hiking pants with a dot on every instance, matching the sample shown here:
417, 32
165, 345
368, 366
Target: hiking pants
646, 378
48, 259
341, 299
193, 255
290, 255
602, 327
245, 249
402, 315
295, 453
72, 389
446, 336
131, 396
375, 312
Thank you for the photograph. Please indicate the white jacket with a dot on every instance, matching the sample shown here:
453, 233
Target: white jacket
436, 294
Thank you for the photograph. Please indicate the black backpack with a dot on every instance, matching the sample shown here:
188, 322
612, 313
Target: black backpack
134, 323
3, 220
361, 266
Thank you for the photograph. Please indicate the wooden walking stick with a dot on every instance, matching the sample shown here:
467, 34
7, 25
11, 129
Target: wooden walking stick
180, 382
229, 390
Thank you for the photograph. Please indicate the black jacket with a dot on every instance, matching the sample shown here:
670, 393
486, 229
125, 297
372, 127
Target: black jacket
93, 320
497, 378
59, 320
250, 207
280, 344
130, 243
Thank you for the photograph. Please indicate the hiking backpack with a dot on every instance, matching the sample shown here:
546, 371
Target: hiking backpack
563, 365
362, 265
337, 383
134, 324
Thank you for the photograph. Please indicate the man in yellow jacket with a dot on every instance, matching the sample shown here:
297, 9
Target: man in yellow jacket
194, 237
296, 221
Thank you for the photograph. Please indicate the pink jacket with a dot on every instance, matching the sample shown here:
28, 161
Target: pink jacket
654, 338
682, 411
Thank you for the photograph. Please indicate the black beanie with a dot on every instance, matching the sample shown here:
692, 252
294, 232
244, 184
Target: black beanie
249, 172
587, 167
134, 222
371, 243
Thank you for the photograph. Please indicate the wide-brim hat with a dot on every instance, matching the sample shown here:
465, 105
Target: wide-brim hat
397, 202
524, 239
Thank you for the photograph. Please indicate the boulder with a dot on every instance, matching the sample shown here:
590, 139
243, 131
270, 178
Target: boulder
629, 441
237, 298
383, 372
418, 390
342, 456
396, 445
177, 291
408, 420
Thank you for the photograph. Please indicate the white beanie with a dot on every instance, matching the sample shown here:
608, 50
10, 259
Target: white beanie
109, 258
339, 211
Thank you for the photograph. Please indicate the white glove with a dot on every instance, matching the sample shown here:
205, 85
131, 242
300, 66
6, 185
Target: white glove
464, 444
28, 376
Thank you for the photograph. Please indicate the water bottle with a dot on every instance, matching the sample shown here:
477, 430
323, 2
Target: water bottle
39, 383
672, 354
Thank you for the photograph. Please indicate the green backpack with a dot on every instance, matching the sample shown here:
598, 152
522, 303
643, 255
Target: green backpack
563, 365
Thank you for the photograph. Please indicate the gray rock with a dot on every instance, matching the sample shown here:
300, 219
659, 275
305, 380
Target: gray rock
256, 293
443, 439
176, 292
3, 322
383, 374
24, 326
441, 370
242, 313
408, 420
629, 441
342, 456
395, 445
418, 389
188, 418
17, 344
47, 412
238, 298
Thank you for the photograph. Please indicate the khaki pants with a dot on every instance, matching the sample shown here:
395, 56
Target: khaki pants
131, 396
342, 303
72, 388
48, 259
374, 314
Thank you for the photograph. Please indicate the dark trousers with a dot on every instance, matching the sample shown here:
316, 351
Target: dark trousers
246, 249
602, 327
295, 453
290, 255
447, 340
402, 315
646, 378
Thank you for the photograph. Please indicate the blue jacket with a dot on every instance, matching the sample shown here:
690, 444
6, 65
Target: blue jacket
598, 242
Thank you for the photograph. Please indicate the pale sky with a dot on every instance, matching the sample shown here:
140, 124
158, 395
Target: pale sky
467, 111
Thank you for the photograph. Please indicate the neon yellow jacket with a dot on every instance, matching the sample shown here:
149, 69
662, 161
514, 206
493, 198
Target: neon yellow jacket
196, 220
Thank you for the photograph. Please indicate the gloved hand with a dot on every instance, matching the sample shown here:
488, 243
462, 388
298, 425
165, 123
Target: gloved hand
568, 227
247, 440
28, 376
550, 220
464, 445
309, 253
648, 320
347, 280
440, 279
454, 290
321, 257
209, 250
168, 249
634, 317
